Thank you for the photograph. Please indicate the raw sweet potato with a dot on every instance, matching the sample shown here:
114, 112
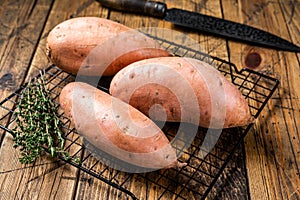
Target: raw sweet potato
181, 90
96, 46
116, 127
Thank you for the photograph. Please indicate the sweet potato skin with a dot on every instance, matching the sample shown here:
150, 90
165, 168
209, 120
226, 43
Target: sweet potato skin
96, 46
146, 83
116, 127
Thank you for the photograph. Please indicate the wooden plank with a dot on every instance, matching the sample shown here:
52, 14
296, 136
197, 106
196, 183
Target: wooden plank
20, 35
232, 183
46, 178
18, 38
19, 183
18, 41
290, 11
272, 148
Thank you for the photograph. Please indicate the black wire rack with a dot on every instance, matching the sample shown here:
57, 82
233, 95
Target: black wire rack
194, 181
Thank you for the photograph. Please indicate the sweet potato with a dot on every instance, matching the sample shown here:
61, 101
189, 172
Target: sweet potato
181, 90
116, 127
96, 46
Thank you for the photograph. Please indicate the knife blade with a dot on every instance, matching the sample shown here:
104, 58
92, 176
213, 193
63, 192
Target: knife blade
203, 23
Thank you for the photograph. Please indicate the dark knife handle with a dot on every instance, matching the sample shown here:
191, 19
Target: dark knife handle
152, 8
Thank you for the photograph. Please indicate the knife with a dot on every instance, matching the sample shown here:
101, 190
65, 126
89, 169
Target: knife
203, 23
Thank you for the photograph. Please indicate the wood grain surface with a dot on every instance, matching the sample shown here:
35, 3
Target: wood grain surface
266, 166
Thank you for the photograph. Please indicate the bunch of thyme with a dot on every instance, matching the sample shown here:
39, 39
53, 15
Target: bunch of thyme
38, 126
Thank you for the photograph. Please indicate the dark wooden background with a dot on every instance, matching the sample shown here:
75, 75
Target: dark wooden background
267, 164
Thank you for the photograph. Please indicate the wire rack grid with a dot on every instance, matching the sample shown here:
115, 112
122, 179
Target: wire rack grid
196, 180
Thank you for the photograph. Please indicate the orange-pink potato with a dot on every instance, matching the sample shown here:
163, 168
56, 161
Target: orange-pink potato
181, 89
95, 46
117, 128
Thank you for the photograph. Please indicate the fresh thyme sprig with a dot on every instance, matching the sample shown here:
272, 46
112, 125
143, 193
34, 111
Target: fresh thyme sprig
37, 123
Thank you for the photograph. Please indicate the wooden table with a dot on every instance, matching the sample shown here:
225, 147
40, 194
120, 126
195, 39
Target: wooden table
267, 164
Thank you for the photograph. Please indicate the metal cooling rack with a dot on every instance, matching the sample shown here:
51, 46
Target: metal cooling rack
194, 181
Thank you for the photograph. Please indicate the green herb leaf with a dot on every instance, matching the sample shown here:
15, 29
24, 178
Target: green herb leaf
38, 125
